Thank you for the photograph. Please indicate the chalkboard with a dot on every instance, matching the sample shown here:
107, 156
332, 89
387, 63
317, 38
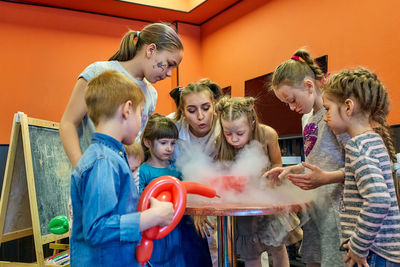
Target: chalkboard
36, 155
36, 184
52, 170
85, 132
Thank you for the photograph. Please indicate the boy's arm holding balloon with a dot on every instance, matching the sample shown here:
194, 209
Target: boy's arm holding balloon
160, 213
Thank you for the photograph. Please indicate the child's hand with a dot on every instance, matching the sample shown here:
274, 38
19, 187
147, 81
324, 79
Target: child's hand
353, 260
201, 223
275, 175
163, 210
310, 180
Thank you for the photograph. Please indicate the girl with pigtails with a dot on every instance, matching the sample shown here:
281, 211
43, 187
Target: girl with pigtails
357, 103
297, 82
255, 234
146, 57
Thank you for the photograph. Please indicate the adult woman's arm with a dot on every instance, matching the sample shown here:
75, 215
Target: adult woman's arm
72, 117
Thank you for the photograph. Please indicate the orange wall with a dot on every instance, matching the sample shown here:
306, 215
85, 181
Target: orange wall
253, 37
43, 50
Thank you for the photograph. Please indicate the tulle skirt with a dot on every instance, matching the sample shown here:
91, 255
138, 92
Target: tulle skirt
256, 233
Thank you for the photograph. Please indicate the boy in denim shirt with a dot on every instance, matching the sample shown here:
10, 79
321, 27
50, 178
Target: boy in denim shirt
106, 226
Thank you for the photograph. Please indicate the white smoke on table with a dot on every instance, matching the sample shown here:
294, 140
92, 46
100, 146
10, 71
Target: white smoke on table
250, 163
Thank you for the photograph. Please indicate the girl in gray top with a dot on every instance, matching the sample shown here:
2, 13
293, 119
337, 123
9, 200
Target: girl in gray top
296, 82
145, 57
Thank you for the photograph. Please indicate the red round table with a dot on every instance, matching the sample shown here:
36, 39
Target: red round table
226, 221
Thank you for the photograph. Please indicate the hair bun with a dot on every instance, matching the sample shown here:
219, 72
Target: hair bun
176, 94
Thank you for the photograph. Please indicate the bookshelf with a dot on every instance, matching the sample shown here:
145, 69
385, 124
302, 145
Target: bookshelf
292, 149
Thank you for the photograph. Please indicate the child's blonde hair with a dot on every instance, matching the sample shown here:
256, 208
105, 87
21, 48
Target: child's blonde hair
293, 71
107, 91
230, 109
135, 150
160, 34
158, 127
204, 85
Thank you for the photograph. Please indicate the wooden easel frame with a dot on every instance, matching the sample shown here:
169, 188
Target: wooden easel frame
20, 129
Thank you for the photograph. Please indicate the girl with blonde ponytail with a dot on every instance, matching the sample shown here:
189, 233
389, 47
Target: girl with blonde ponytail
297, 82
240, 126
146, 57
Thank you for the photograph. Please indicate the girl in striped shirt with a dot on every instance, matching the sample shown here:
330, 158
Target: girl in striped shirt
357, 103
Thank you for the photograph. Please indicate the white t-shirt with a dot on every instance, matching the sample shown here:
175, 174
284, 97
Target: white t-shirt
188, 139
148, 90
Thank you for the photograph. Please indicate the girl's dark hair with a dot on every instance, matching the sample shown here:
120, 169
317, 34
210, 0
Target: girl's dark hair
160, 34
158, 127
293, 71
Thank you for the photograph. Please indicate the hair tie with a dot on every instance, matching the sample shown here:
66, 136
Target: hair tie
297, 58
137, 34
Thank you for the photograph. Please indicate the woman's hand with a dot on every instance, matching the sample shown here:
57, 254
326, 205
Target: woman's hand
201, 223
353, 260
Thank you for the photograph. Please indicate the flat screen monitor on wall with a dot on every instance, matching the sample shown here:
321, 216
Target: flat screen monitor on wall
271, 110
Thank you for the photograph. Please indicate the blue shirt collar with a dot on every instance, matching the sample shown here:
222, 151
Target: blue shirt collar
109, 141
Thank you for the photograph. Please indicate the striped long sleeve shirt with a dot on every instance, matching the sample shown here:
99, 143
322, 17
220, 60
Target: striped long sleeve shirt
370, 215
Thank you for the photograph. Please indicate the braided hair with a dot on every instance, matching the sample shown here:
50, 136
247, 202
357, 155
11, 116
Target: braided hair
371, 95
373, 99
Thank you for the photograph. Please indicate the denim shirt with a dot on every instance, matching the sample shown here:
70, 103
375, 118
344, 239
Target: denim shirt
105, 229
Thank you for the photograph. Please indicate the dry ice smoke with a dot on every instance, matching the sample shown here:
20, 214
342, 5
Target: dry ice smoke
250, 162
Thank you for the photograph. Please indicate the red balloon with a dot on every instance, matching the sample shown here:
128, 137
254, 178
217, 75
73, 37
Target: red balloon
200, 189
165, 196
166, 188
144, 250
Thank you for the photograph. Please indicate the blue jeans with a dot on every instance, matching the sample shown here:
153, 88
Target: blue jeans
374, 260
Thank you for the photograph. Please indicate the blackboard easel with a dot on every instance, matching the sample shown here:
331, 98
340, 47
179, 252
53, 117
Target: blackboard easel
27, 199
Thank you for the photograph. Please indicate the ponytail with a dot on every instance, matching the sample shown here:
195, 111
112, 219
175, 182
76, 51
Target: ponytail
160, 34
128, 47
293, 71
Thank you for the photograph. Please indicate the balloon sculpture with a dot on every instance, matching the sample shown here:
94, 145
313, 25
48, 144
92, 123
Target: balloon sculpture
166, 188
